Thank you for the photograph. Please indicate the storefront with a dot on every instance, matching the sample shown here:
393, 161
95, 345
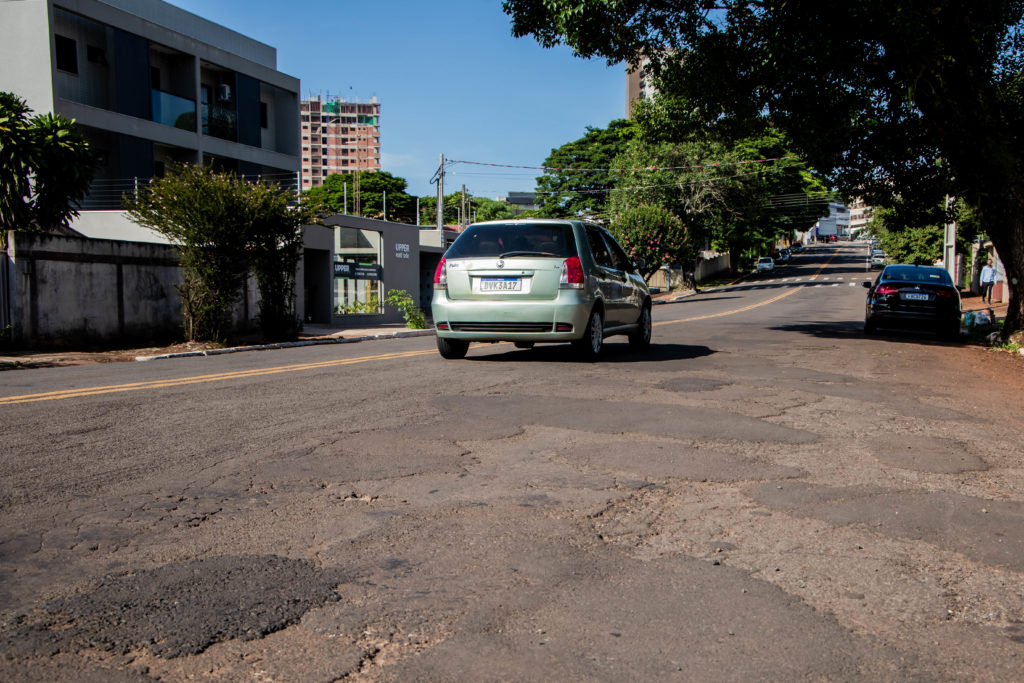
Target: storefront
368, 259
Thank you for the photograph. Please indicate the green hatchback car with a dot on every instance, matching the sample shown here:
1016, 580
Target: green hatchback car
536, 281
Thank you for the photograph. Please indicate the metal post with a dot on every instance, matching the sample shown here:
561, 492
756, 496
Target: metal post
464, 214
949, 245
385, 201
440, 199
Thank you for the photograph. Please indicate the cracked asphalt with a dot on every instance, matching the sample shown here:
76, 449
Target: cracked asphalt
765, 494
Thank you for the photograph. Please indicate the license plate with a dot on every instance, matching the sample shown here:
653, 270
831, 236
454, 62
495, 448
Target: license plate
501, 284
914, 296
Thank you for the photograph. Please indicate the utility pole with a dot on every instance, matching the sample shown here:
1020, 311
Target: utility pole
440, 198
357, 204
949, 245
465, 214
384, 194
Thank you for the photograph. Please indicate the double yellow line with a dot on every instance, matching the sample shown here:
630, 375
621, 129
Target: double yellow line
199, 379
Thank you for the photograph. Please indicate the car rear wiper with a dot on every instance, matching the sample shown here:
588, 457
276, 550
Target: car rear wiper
509, 254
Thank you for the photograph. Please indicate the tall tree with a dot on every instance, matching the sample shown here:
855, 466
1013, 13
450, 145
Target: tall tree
724, 200
338, 194
923, 99
575, 180
45, 168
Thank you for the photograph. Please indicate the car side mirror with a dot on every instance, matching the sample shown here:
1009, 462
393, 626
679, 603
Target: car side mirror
640, 264
866, 284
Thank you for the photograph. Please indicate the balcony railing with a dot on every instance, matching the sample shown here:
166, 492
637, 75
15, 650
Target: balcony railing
108, 194
172, 110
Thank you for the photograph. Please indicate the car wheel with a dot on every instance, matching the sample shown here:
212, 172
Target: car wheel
951, 331
870, 327
453, 349
590, 344
523, 345
641, 337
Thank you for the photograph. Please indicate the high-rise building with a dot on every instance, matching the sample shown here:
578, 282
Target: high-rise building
338, 136
149, 84
638, 85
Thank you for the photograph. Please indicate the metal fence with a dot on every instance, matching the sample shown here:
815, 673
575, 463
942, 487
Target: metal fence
107, 194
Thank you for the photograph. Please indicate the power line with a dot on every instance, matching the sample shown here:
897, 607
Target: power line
640, 168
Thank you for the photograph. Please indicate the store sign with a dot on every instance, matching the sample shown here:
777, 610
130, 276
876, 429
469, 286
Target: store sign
401, 250
367, 271
344, 268
358, 271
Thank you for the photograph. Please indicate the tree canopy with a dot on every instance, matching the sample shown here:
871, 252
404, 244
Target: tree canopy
887, 98
338, 194
45, 168
576, 181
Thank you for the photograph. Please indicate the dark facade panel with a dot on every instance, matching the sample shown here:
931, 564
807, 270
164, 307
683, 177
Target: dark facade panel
248, 104
131, 64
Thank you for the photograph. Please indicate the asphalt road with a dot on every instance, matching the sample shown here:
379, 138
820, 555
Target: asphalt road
766, 494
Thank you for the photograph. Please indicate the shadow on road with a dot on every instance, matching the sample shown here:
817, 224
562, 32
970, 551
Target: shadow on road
613, 353
848, 329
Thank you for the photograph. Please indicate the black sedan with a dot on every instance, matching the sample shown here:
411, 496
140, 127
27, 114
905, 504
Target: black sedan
906, 296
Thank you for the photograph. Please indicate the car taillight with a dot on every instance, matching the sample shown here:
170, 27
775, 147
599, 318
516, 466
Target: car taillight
572, 274
944, 294
885, 290
441, 276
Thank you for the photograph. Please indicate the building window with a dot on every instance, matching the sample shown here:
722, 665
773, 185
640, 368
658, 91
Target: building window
357, 274
96, 55
67, 53
264, 115
154, 78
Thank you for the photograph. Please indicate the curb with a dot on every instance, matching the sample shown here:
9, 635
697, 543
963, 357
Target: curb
288, 345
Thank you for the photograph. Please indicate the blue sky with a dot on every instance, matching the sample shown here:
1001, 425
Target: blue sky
449, 75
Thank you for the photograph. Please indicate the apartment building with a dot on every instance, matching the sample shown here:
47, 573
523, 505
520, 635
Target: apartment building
638, 85
860, 215
148, 84
338, 136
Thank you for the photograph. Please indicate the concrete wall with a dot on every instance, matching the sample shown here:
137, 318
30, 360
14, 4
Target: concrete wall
25, 52
69, 291
707, 269
73, 291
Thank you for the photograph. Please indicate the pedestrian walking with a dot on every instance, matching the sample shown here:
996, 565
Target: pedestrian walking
988, 281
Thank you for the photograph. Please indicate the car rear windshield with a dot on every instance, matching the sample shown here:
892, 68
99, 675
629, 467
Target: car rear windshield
917, 274
510, 240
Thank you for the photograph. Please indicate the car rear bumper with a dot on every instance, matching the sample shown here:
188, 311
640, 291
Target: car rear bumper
894, 318
494, 320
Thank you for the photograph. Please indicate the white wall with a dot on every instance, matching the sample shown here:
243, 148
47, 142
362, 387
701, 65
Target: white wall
25, 52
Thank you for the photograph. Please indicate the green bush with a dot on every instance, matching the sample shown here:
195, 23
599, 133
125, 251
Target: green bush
402, 300
359, 307
651, 233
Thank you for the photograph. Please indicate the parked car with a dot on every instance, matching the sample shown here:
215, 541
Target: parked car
765, 264
536, 281
783, 256
911, 296
877, 258
796, 247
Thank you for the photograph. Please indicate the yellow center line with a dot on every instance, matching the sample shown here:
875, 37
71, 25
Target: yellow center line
259, 372
217, 377
793, 290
